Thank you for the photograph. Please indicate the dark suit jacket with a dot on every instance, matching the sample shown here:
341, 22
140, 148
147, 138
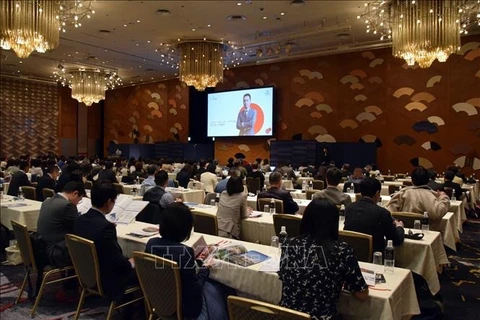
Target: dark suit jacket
258, 174
192, 282
108, 175
289, 206
246, 122
434, 185
183, 178
454, 186
19, 179
45, 181
366, 217
115, 269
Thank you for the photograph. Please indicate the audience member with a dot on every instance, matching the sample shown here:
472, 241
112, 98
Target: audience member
419, 198
19, 179
448, 183
257, 174
47, 181
231, 209
107, 174
331, 192
157, 194
149, 181
367, 217
56, 219
209, 178
201, 299
222, 185
276, 192
332, 265
184, 176
431, 182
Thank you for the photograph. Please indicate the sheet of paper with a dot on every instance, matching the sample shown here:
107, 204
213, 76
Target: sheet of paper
144, 234
271, 265
369, 276
84, 205
255, 214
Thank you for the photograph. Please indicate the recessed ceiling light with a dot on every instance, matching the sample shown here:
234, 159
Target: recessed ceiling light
282, 13
20, 61
138, 21
239, 3
209, 25
193, 29
236, 17
148, 41
124, 25
264, 18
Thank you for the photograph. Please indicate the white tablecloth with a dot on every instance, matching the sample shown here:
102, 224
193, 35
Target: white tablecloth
394, 299
25, 214
187, 195
458, 208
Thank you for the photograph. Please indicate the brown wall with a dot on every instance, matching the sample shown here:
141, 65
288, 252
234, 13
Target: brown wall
28, 117
358, 96
147, 113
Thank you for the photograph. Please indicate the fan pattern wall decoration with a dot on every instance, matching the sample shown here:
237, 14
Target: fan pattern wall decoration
28, 118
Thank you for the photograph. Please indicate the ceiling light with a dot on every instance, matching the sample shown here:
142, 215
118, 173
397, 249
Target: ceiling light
239, 3
29, 26
282, 13
201, 65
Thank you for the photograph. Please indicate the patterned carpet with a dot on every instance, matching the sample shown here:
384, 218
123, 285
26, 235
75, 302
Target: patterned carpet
460, 288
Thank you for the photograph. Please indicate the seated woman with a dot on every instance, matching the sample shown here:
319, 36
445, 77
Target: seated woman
329, 265
232, 208
184, 176
202, 298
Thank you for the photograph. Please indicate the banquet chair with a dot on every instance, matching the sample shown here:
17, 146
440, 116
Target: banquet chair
318, 185
253, 184
240, 308
392, 189
88, 185
400, 175
448, 191
85, 260
408, 218
209, 197
29, 192
119, 188
361, 244
48, 193
163, 301
264, 201
358, 196
205, 223
310, 193
31, 265
407, 183
195, 185
388, 178
290, 221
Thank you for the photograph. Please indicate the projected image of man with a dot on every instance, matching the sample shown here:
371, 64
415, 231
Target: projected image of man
246, 117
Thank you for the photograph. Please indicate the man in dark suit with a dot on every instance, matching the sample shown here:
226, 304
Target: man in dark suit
116, 271
19, 179
448, 183
56, 219
257, 174
432, 183
246, 117
276, 192
107, 173
367, 217
47, 181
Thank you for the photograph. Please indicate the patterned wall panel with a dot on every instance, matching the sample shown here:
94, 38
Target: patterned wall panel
428, 116
28, 117
147, 113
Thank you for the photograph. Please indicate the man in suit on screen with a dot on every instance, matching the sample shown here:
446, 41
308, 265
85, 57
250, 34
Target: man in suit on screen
246, 117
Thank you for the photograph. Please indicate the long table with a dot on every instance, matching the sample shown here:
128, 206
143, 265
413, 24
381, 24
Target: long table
25, 212
395, 299
187, 195
425, 257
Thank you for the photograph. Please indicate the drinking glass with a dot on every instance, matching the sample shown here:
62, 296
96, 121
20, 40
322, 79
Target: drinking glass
275, 242
417, 225
266, 208
378, 262
212, 202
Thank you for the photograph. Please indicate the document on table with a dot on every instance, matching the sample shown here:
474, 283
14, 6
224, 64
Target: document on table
126, 209
271, 265
14, 204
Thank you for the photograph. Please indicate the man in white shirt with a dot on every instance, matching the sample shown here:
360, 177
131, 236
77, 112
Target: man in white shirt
149, 182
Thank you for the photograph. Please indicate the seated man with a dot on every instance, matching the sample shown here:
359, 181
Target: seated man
157, 194
366, 216
432, 183
56, 219
257, 174
19, 179
276, 192
331, 192
47, 181
149, 182
449, 183
420, 198
116, 271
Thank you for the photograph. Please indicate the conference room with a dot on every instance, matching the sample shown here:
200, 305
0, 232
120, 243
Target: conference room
238, 126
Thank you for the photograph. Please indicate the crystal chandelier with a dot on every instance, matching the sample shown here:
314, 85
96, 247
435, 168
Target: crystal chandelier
201, 63
88, 85
35, 25
421, 31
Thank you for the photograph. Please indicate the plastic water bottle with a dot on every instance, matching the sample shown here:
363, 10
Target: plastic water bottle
425, 222
217, 199
341, 213
453, 196
349, 190
310, 185
20, 194
282, 236
272, 206
304, 185
389, 257
264, 187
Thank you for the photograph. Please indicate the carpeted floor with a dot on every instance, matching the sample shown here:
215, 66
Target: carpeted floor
460, 288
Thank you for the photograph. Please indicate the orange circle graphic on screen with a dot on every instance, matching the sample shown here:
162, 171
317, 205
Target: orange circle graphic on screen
260, 117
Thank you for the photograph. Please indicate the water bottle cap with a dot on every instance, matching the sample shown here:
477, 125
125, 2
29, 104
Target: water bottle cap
283, 229
390, 243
